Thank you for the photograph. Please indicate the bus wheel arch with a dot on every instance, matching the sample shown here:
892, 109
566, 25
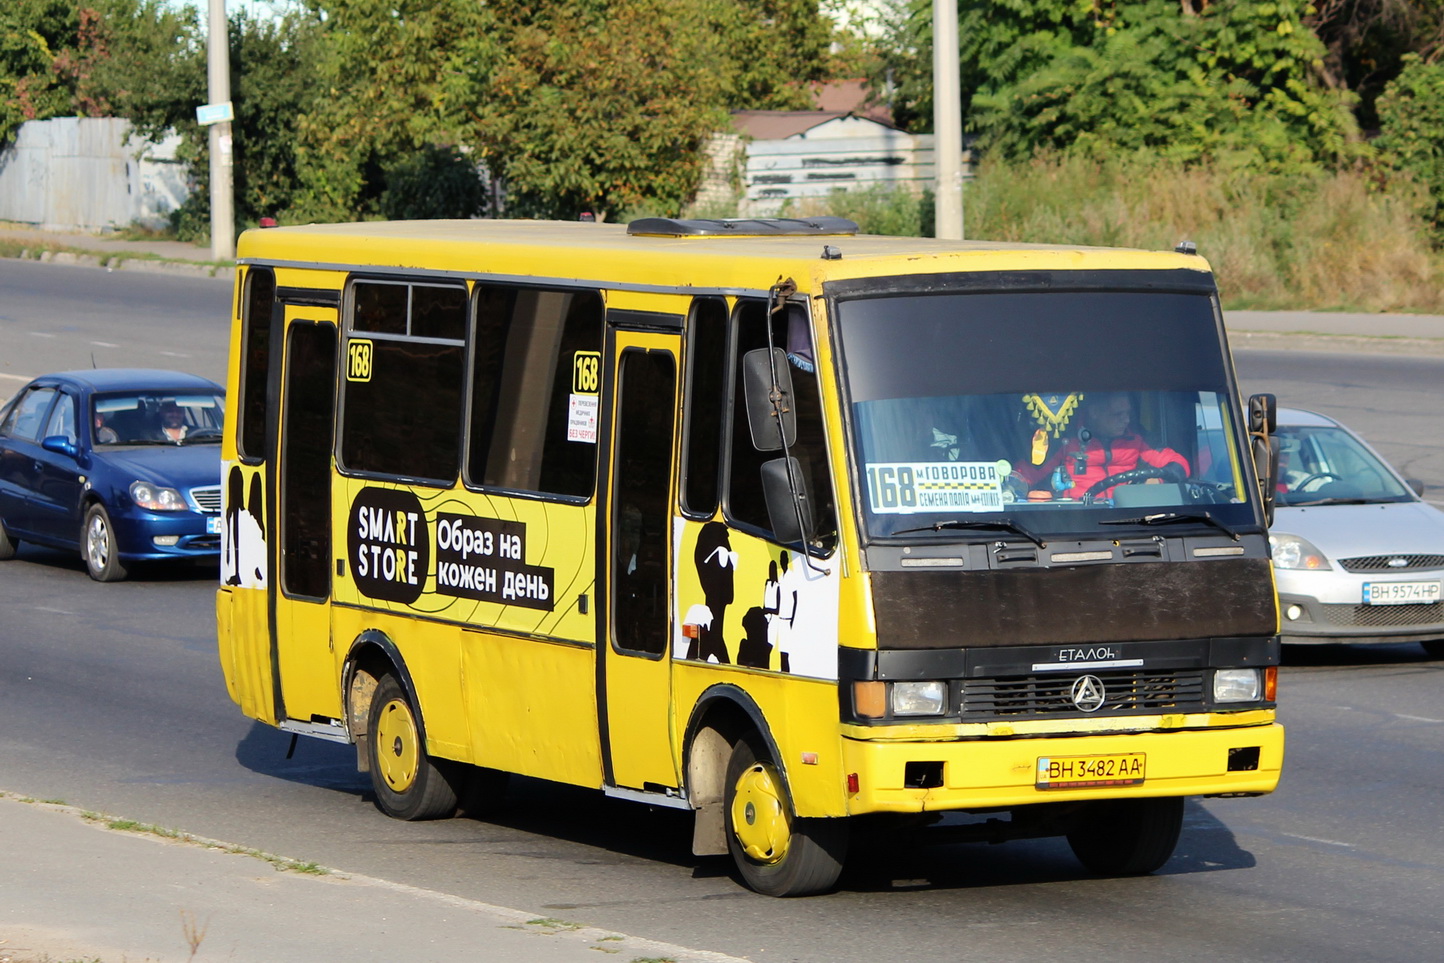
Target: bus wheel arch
372, 656
383, 713
722, 715
738, 785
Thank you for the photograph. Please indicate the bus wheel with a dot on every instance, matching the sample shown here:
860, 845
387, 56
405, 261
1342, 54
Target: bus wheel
408, 783
777, 853
1127, 837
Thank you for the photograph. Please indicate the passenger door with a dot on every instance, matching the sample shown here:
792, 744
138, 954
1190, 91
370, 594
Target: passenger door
302, 636
55, 498
19, 460
636, 545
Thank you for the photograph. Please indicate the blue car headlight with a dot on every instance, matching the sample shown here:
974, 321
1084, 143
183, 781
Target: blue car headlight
156, 498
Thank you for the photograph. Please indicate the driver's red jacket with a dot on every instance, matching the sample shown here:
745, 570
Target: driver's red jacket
1100, 460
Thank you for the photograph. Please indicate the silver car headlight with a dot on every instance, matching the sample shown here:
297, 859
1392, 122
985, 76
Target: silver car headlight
1237, 685
156, 498
1293, 552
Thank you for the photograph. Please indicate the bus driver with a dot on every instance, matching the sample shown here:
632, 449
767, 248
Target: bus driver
1105, 445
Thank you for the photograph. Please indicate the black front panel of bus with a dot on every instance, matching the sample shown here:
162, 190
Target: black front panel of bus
1074, 604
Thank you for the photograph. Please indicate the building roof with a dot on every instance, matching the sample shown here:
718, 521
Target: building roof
782, 124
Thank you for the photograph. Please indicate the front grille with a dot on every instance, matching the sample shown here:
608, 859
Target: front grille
1384, 616
207, 499
1126, 693
1380, 563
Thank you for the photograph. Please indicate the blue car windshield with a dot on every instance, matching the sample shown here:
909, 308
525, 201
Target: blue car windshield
158, 418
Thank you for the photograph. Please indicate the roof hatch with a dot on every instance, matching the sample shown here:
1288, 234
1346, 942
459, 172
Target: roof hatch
741, 227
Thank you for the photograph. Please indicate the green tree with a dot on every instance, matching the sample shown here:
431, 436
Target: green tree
1367, 41
1411, 111
386, 76
769, 52
28, 90
436, 182
597, 106
273, 82
1193, 80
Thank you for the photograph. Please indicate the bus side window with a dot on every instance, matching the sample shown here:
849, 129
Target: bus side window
252, 411
745, 498
404, 417
706, 393
524, 358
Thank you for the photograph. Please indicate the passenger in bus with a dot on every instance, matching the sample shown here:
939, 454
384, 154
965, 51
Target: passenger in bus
1106, 444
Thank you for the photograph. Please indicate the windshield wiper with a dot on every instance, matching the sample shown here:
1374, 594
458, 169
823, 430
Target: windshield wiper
1005, 524
1168, 518
1332, 501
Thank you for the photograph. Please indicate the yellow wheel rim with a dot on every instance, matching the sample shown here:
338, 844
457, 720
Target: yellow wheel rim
397, 745
759, 815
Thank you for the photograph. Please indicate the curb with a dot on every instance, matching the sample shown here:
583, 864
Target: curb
134, 263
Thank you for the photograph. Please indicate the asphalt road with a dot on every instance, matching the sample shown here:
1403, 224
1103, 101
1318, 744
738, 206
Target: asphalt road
111, 699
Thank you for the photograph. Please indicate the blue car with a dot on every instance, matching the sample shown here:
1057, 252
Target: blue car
123, 465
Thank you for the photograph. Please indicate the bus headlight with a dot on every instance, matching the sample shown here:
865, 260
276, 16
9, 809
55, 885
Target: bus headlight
155, 498
1237, 685
919, 698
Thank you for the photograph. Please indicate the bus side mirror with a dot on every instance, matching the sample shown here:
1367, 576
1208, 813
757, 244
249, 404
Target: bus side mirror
1262, 420
767, 388
790, 516
1263, 415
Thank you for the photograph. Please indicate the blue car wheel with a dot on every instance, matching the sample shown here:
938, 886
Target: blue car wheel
97, 543
7, 544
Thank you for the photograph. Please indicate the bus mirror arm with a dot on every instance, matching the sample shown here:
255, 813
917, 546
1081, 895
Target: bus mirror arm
1262, 420
784, 489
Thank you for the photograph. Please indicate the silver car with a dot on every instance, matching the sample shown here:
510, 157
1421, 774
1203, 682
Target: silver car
1358, 555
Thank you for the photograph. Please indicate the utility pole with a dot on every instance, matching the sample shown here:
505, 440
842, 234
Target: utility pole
947, 123
218, 74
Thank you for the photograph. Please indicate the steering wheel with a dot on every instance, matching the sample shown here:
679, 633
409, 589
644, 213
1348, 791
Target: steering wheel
1304, 485
1142, 473
202, 435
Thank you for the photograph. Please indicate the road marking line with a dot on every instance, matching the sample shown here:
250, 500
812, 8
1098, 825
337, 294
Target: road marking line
15, 377
1315, 839
105, 344
1400, 715
41, 334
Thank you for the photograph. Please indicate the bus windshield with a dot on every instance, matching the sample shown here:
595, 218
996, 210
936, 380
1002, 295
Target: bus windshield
1040, 412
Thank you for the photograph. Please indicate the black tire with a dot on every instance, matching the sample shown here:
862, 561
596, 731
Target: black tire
1127, 837
408, 783
8, 544
1434, 647
99, 548
776, 852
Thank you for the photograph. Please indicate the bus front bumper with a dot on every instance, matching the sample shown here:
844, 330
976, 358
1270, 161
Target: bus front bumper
915, 776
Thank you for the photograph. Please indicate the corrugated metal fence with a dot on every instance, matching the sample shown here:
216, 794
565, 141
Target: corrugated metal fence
79, 173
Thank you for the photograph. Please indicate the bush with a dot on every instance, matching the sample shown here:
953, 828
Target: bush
877, 209
1323, 241
435, 182
1411, 115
